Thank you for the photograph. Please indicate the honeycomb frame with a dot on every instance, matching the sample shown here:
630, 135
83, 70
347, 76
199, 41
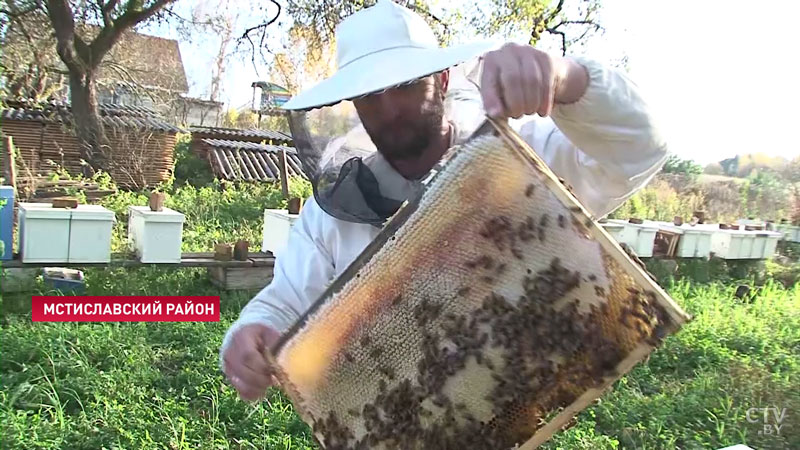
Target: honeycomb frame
470, 338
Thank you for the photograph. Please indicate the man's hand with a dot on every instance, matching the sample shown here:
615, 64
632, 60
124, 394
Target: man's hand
245, 365
519, 80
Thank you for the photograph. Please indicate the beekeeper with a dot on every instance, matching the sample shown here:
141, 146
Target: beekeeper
411, 100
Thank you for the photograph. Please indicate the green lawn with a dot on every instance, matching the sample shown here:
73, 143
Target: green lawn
156, 385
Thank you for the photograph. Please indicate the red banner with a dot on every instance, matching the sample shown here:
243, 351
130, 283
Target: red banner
125, 309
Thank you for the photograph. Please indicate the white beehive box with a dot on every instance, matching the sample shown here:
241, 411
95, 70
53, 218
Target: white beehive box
79, 235
639, 237
614, 229
790, 233
277, 224
156, 235
43, 233
90, 234
695, 241
771, 244
742, 244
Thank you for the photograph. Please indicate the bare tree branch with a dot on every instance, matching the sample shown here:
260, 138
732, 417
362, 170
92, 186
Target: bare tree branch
262, 29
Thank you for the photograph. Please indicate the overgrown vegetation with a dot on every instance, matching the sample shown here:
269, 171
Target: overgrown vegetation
678, 193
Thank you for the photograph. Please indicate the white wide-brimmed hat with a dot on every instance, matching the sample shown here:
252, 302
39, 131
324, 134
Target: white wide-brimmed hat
380, 47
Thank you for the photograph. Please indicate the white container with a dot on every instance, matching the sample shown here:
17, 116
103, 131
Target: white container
614, 229
277, 224
639, 237
90, 234
695, 241
771, 245
790, 233
156, 235
43, 233
743, 244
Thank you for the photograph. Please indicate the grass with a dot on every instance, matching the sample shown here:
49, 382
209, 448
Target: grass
157, 385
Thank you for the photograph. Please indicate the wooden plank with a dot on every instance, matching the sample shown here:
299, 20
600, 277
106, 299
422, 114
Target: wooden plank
193, 261
243, 164
265, 164
272, 161
284, 177
9, 162
235, 278
293, 166
257, 166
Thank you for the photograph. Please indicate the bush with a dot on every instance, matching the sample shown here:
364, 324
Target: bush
190, 168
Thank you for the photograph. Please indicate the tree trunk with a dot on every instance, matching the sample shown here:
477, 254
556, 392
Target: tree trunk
94, 145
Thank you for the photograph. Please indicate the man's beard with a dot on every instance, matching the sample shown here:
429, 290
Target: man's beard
407, 139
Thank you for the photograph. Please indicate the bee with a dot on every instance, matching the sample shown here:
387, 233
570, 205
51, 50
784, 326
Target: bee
365, 340
544, 220
599, 291
376, 351
529, 190
348, 357
592, 277
562, 221
388, 372
463, 291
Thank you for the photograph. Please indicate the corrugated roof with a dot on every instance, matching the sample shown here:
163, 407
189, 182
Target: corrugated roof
241, 133
246, 145
123, 116
238, 160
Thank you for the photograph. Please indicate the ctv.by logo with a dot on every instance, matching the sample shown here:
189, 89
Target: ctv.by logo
771, 417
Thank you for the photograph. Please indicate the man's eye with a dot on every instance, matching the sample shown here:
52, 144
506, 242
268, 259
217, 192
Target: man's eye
411, 85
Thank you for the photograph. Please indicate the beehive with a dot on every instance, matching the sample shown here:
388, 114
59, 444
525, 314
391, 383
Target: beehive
488, 312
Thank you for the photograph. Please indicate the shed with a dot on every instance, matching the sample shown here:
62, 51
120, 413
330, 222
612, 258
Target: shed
142, 142
246, 154
249, 161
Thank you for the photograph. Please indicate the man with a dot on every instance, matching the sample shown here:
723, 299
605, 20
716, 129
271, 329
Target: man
593, 130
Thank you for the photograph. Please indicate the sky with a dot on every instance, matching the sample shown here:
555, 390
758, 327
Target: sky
717, 75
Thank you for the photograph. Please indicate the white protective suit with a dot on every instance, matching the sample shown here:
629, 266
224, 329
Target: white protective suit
606, 146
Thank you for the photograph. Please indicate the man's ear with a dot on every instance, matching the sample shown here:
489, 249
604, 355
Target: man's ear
444, 79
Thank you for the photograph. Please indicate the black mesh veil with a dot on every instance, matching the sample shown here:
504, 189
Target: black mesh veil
332, 146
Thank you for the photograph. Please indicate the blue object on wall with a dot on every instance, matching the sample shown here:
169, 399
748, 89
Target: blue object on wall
7, 221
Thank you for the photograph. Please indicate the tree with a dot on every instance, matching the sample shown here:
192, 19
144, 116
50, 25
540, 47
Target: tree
29, 66
535, 18
82, 52
675, 164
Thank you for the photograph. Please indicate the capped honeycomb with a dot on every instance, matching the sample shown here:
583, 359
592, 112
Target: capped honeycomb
488, 312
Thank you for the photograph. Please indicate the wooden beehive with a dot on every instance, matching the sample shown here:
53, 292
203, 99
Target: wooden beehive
488, 312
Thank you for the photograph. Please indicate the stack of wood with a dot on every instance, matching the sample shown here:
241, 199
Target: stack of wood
42, 189
140, 151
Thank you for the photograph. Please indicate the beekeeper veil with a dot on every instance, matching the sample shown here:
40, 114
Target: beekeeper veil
342, 162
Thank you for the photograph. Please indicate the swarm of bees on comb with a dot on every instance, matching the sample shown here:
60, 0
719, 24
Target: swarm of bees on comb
487, 313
